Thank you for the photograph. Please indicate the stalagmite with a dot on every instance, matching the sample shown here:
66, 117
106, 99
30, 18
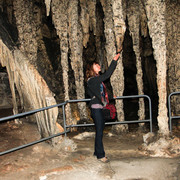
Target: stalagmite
117, 78
157, 30
134, 21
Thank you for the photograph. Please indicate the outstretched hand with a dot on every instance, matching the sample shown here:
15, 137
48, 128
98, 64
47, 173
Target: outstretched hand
118, 54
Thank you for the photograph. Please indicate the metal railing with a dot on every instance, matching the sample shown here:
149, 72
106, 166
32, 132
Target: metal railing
70, 126
30, 113
170, 113
118, 122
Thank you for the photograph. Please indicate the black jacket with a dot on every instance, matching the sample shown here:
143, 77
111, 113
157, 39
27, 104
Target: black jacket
93, 84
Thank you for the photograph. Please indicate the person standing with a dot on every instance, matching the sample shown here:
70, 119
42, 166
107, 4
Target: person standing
99, 98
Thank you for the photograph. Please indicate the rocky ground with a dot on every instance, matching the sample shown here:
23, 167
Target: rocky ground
42, 162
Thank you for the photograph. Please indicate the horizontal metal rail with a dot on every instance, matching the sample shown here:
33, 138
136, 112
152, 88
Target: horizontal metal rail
169, 107
31, 143
30, 112
119, 122
110, 123
69, 126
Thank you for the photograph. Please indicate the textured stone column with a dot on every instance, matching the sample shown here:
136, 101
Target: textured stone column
173, 52
134, 27
60, 20
155, 11
76, 46
117, 78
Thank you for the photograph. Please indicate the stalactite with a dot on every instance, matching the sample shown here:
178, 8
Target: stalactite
117, 78
6, 54
134, 21
100, 44
26, 29
76, 46
84, 19
157, 30
92, 15
119, 22
48, 6
143, 20
32, 89
60, 20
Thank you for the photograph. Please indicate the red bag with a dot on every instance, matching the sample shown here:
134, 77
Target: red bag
112, 110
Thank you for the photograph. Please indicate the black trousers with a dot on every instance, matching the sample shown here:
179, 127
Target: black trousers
99, 121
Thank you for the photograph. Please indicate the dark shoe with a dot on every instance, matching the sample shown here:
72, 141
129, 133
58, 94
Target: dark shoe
104, 160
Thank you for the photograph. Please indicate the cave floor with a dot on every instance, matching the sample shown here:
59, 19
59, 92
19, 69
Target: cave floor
42, 162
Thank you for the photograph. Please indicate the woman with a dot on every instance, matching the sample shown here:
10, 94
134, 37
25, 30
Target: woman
99, 99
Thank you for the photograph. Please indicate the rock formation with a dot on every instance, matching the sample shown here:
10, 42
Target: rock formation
46, 45
33, 90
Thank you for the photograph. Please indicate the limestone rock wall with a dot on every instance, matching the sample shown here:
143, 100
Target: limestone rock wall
81, 31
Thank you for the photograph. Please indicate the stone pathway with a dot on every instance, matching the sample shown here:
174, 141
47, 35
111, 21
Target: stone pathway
127, 162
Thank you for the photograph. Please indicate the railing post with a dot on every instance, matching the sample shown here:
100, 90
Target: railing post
64, 118
150, 113
169, 108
